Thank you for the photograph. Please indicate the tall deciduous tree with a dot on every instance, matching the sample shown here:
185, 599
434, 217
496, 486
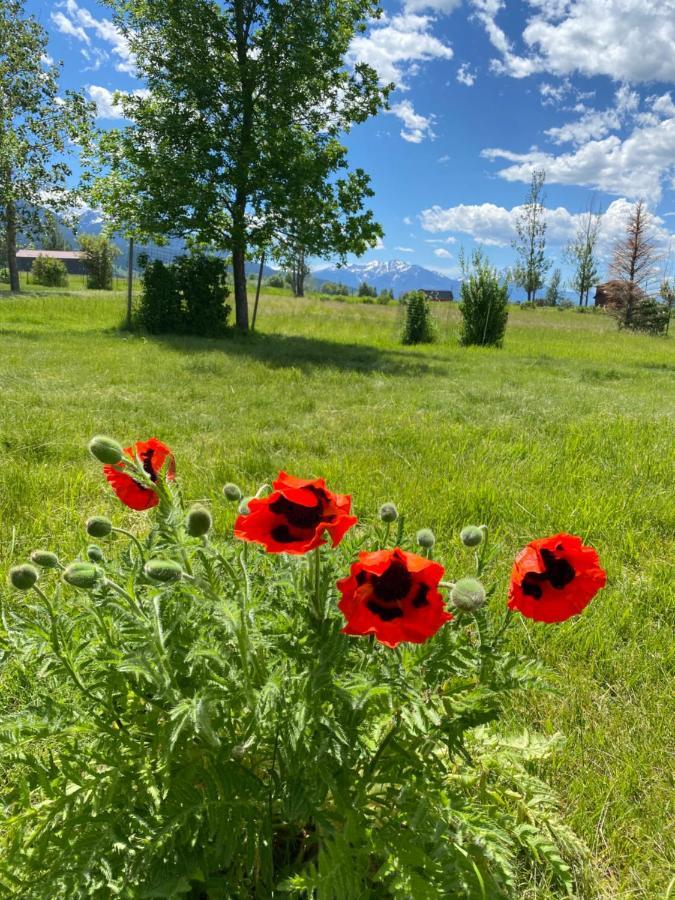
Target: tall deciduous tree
581, 252
36, 127
240, 92
530, 244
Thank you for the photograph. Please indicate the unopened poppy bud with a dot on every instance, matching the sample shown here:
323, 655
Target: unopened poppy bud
23, 578
199, 521
426, 538
232, 492
45, 559
388, 512
81, 575
244, 509
164, 570
99, 526
95, 554
468, 594
105, 450
471, 536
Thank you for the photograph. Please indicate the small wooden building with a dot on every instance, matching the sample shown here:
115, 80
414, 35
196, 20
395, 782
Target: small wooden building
441, 296
73, 260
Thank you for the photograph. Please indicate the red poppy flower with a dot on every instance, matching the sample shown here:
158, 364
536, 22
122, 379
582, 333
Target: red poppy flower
294, 518
152, 454
555, 578
393, 595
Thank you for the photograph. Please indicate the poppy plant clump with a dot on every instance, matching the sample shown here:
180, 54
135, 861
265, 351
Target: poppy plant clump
261, 695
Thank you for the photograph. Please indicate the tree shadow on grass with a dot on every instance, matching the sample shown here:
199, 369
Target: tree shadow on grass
292, 351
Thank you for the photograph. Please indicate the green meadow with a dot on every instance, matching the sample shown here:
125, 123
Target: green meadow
569, 427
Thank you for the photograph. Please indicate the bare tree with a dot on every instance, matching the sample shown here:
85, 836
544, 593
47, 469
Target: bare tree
635, 260
530, 244
581, 253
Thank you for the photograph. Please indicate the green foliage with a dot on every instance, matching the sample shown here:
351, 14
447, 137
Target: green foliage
554, 294
51, 235
277, 281
366, 290
485, 303
197, 159
649, 315
99, 256
530, 244
39, 125
186, 296
418, 325
385, 296
335, 288
49, 272
215, 734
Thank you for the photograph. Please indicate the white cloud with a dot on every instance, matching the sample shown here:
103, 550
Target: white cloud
47, 60
595, 123
443, 253
635, 166
78, 22
106, 107
493, 225
404, 249
395, 47
445, 158
465, 75
444, 7
407, 220
416, 127
379, 244
628, 40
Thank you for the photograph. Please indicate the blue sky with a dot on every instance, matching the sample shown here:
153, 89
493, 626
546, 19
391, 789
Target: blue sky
485, 91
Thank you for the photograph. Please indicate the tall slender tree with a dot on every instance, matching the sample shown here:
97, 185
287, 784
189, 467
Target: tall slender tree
581, 252
36, 128
236, 92
530, 243
635, 259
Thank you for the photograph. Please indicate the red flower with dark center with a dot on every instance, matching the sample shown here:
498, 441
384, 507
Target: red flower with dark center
153, 454
555, 578
393, 595
295, 517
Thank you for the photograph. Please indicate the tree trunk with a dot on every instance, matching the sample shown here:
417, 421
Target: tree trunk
10, 225
240, 293
300, 275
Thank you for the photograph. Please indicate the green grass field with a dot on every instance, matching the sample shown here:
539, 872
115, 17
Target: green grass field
567, 428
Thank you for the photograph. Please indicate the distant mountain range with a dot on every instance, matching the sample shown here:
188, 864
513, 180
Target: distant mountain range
395, 275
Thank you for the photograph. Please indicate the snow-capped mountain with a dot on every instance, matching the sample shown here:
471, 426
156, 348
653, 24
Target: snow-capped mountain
394, 274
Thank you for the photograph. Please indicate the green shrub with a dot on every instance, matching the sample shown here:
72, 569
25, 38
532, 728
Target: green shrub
385, 296
186, 296
365, 290
276, 281
334, 287
650, 316
418, 326
484, 305
99, 256
202, 727
4, 276
49, 271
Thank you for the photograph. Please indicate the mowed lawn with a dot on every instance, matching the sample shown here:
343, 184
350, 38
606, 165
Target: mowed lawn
569, 427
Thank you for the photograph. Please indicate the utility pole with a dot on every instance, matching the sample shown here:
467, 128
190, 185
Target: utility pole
130, 281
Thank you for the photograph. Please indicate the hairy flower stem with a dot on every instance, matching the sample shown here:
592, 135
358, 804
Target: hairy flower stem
481, 555
385, 539
135, 606
316, 566
133, 538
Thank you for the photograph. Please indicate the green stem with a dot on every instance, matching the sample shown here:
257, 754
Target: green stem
385, 540
316, 560
135, 606
134, 539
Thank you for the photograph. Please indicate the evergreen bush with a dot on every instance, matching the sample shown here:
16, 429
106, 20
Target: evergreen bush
99, 253
484, 304
418, 326
49, 272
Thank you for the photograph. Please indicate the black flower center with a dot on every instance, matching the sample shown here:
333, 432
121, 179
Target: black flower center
146, 459
394, 584
558, 572
297, 515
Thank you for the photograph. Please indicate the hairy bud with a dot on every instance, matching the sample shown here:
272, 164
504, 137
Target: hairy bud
81, 575
243, 509
99, 526
164, 570
24, 577
105, 450
232, 492
95, 554
468, 594
388, 512
426, 538
199, 521
45, 559
471, 536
